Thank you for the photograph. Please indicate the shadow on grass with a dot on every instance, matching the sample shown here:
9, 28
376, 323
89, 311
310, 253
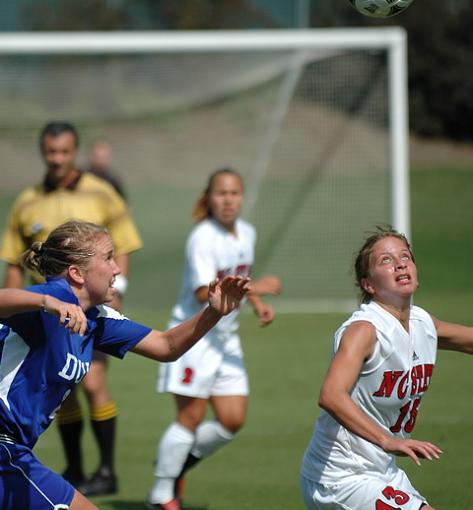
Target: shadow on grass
139, 505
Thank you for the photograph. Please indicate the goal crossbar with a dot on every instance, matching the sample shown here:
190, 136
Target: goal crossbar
391, 38
196, 41
385, 141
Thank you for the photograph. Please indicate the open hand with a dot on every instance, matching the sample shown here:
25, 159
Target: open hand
412, 448
225, 295
70, 315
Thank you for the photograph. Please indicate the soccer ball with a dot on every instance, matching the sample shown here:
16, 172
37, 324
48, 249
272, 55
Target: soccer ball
380, 8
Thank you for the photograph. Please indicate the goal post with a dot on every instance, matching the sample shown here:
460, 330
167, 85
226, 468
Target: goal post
314, 119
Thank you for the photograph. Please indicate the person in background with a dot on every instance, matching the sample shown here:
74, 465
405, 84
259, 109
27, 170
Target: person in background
48, 334
100, 164
383, 359
212, 372
68, 193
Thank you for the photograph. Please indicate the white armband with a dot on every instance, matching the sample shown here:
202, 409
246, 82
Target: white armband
121, 284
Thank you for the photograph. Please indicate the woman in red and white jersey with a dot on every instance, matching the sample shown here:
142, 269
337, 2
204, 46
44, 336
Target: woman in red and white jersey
383, 360
220, 244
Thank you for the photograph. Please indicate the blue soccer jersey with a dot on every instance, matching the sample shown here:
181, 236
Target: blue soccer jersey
41, 360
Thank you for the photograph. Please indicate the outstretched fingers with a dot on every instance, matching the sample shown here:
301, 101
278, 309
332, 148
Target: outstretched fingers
233, 290
427, 450
225, 295
417, 450
236, 286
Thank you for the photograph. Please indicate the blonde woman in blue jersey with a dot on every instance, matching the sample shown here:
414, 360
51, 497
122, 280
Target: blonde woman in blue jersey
47, 337
66, 192
214, 372
383, 360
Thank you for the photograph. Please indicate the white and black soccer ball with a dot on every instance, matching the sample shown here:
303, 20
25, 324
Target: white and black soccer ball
380, 8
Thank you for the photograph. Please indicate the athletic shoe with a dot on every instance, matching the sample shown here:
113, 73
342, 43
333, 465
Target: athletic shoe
170, 505
99, 483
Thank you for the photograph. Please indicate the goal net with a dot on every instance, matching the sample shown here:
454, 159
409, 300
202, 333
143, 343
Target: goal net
315, 121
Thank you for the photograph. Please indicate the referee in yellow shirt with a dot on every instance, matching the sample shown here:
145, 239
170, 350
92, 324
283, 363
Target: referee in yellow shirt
67, 193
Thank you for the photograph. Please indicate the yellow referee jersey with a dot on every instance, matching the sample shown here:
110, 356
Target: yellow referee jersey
37, 211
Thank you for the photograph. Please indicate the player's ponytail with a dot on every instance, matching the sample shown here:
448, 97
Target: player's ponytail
71, 243
201, 209
31, 259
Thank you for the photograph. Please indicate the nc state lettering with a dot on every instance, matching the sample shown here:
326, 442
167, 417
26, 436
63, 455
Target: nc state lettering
241, 270
417, 379
74, 369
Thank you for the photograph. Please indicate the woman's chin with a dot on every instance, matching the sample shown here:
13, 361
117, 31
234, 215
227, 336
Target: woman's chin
109, 296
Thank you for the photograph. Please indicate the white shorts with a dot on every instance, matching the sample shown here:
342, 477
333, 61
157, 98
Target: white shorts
363, 492
213, 367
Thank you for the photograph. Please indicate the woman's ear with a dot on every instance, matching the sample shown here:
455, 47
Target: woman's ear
75, 274
366, 285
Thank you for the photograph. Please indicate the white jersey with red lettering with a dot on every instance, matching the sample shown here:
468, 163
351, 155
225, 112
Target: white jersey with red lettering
215, 365
214, 252
389, 390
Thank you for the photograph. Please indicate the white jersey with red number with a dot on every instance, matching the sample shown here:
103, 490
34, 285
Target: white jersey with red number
213, 252
389, 390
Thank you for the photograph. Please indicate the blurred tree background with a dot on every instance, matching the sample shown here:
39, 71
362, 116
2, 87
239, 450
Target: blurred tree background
440, 60
440, 39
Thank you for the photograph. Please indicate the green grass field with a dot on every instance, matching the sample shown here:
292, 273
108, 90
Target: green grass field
286, 363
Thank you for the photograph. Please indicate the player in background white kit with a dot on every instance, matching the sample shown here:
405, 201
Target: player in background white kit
220, 244
384, 355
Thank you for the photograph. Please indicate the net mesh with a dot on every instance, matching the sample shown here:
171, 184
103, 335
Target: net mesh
308, 130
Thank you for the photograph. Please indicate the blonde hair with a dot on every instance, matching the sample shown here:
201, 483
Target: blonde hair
71, 243
201, 209
362, 260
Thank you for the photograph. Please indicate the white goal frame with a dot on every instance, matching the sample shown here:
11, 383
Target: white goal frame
393, 39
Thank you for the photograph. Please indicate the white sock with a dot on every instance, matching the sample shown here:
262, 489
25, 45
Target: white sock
172, 452
209, 437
